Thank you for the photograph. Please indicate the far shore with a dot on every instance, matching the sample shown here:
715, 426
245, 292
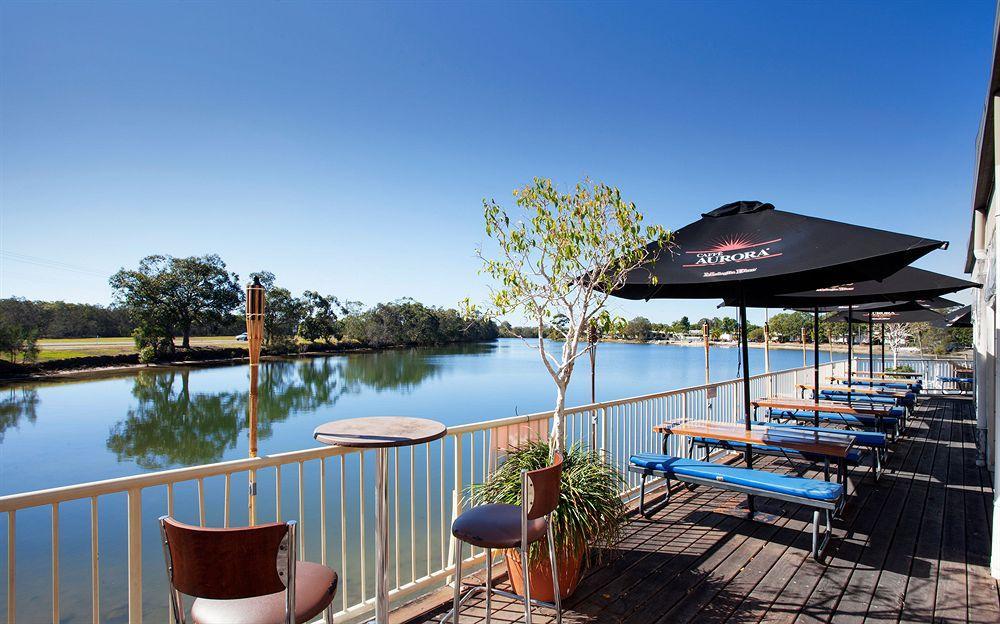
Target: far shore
208, 357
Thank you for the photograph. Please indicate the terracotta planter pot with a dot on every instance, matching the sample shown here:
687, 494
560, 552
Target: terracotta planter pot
540, 574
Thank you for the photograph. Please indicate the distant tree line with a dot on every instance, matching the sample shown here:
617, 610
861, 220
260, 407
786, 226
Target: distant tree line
166, 297
783, 327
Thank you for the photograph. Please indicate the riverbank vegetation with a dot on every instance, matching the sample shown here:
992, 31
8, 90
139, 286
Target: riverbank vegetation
784, 327
164, 299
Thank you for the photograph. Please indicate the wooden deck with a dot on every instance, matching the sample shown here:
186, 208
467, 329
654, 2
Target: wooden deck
912, 548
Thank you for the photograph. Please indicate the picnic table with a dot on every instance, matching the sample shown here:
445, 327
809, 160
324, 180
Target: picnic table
898, 374
826, 444
870, 380
857, 390
877, 410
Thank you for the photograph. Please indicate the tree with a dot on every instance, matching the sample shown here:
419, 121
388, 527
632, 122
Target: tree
321, 321
896, 335
788, 325
638, 328
165, 295
18, 341
685, 324
569, 250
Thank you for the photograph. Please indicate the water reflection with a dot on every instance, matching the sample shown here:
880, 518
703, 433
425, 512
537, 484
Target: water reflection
170, 425
15, 404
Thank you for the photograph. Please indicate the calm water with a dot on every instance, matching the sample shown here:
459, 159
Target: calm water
54, 434
167, 418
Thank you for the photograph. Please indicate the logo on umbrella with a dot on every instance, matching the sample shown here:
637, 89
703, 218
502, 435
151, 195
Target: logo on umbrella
734, 249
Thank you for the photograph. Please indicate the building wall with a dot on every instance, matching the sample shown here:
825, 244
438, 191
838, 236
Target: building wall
986, 338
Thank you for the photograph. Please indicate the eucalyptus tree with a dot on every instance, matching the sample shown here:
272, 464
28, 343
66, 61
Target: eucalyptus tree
557, 258
166, 295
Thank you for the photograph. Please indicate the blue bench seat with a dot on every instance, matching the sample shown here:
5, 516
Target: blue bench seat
895, 385
761, 479
824, 496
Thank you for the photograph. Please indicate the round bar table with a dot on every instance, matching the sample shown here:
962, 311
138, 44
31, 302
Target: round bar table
380, 433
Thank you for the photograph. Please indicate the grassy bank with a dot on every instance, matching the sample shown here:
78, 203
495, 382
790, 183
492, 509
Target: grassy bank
51, 349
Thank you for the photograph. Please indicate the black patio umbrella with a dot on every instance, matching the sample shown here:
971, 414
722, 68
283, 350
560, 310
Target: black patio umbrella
871, 314
906, 285
961, 317
939, 303
749, 249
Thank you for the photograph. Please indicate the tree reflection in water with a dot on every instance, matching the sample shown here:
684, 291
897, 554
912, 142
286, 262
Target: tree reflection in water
15, 404
172, 426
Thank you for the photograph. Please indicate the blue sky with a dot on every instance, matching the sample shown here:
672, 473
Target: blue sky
348, 147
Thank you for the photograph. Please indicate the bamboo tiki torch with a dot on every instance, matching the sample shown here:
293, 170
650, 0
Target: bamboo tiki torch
830, 337
805, 359
255, 336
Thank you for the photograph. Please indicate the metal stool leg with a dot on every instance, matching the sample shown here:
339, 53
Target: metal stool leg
555, 572
527, 585
458, 579
489, 583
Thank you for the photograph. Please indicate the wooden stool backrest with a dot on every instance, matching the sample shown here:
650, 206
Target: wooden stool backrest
541, 488
226, 564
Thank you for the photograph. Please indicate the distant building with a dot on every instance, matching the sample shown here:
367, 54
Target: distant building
982, 263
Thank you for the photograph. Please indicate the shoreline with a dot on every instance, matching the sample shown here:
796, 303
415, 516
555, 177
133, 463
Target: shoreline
83, 373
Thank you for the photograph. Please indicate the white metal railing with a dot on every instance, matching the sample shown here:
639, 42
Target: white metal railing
329, 491
931, 370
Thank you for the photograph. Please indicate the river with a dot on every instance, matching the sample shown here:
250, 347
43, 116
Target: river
56, 433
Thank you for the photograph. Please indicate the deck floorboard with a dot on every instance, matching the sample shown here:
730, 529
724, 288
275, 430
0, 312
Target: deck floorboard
911, 548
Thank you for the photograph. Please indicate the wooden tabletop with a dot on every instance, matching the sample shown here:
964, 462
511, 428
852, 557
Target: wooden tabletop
875, 380
379, 431
858, 390
963, 371
821, 442
831, 407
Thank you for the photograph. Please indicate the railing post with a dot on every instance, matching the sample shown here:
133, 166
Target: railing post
456, 498
135, 556
593, 429
11, 567
604, 429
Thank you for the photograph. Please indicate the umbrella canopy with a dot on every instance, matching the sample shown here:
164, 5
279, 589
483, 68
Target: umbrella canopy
750, 247
907, 284
910, 312
961, 317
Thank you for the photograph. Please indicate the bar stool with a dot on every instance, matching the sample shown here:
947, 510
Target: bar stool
512, 526
245, 575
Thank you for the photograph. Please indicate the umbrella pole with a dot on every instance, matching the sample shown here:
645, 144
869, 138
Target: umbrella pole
850, 349
816, 366
882, 346
871, 357
745, 349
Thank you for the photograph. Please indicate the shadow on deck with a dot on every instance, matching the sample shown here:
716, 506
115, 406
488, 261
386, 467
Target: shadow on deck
911, 548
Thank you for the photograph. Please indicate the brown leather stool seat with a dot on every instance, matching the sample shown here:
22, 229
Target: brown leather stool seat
315, 586
495, 526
